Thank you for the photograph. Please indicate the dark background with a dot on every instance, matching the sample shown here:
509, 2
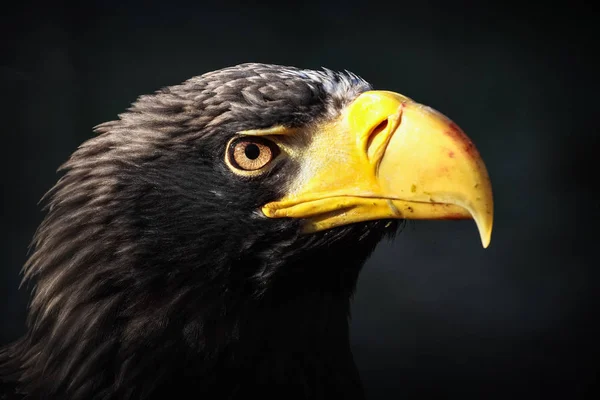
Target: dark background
434, 312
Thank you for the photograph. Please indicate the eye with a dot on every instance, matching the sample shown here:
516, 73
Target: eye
251, 154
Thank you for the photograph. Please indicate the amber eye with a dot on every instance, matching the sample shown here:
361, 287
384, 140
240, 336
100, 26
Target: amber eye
251, 154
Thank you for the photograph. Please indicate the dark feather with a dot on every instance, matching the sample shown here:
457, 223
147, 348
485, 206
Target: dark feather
154, 275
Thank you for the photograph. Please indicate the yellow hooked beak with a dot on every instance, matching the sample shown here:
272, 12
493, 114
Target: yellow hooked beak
388, 157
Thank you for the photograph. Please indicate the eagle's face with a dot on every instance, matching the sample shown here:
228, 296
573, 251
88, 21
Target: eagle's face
236, 191
266, 159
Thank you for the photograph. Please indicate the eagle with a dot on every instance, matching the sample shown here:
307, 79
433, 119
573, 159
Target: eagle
207, 243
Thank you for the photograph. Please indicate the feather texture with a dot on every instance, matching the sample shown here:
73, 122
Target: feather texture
153, 275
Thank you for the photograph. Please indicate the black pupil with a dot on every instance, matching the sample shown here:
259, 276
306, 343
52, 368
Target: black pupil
252, 151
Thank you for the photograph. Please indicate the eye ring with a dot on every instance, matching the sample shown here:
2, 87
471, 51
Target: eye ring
250, 155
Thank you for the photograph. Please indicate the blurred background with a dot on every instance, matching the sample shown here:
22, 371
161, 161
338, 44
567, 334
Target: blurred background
435, 314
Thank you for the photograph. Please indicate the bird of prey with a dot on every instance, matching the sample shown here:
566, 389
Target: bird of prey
206, 243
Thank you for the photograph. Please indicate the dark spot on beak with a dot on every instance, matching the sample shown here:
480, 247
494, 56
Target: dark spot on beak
457, 134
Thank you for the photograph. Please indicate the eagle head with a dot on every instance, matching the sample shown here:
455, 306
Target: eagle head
211, 237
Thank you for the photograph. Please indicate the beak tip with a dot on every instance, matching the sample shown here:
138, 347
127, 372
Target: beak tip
485, 232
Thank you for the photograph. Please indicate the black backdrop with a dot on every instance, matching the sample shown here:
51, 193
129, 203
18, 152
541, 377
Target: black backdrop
434, 312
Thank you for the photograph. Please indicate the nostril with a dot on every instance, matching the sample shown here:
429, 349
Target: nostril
377, 139
382, 125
